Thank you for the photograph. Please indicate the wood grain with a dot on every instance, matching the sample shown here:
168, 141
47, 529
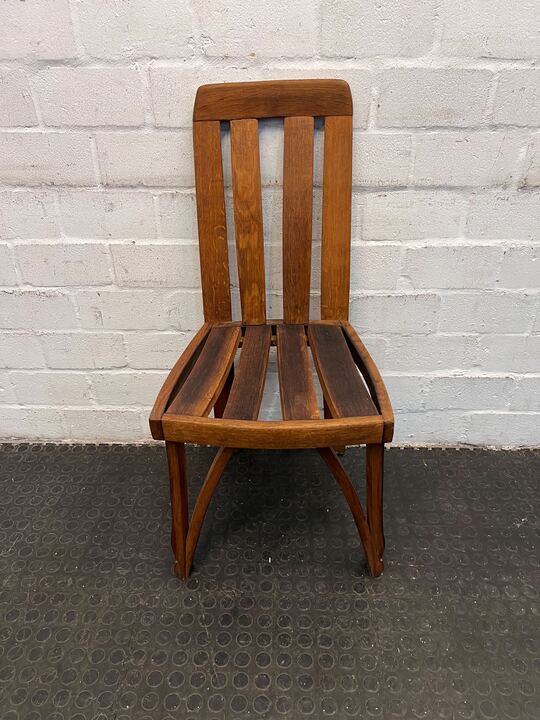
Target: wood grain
374, 495
336, 218
248, 219
272, 98
247, 389
176, 458
273, 435
211, 220
372, 377
297, 217
296, 387
342, 384
205, 381
174, 379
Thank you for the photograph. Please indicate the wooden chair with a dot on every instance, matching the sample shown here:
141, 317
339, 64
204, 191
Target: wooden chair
211, 374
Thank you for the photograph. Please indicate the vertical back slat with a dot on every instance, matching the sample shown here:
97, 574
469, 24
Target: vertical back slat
297, 217
213, 251
248, 219
336, 218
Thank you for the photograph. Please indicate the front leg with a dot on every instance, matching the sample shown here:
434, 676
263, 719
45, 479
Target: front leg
176, 457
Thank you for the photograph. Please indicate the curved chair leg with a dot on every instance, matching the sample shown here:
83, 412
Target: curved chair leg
176, 457
338, 471
374, 495
203, 501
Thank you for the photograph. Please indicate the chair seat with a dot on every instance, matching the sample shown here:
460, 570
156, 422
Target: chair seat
204, 378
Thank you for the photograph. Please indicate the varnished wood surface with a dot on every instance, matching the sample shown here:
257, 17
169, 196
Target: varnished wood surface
248, 220
272, 98
211, 221
297, 217
336, 218
176, 458
343, 387
204, 383
267, 434
374, 495
203, 376
373, 379
247, 389
174, 379
296, 388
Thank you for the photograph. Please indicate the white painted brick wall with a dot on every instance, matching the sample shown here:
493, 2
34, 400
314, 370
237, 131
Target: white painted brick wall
98, 256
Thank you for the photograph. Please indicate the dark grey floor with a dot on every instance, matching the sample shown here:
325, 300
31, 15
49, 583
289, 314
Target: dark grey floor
278, 619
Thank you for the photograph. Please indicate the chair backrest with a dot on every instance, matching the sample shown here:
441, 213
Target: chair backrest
298, 102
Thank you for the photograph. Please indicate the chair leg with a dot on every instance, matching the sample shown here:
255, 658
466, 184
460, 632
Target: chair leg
176, 457
374, 495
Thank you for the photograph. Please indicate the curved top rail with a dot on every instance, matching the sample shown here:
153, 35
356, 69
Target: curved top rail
272, 98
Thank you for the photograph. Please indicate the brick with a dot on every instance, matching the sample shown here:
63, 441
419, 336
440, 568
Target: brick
36, 309
178, 215
16, 104
139, 28
64, 264
467, 159
381, 159
526, 396
407, 392
504, 429
7, 267
35, 158
389, 314
521, 267
50, 388
126, 388
36, 30
375, 267
150, 159
476, 28
367, 28
469, 393
27, 214
411, 215
505, 215
109, 214
157, 265
90, 96
123, 425
261, 30
84, 350
423, 97
20, 350
509, 353
155, 351
140, 310
7, 394
32, 424
531, 176
433, 427
517, 99
454, 266
432, 353
486, 312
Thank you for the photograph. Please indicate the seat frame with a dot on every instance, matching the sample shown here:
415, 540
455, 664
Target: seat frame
179, 416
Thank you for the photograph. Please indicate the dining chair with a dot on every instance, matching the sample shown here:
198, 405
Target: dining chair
224, 367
